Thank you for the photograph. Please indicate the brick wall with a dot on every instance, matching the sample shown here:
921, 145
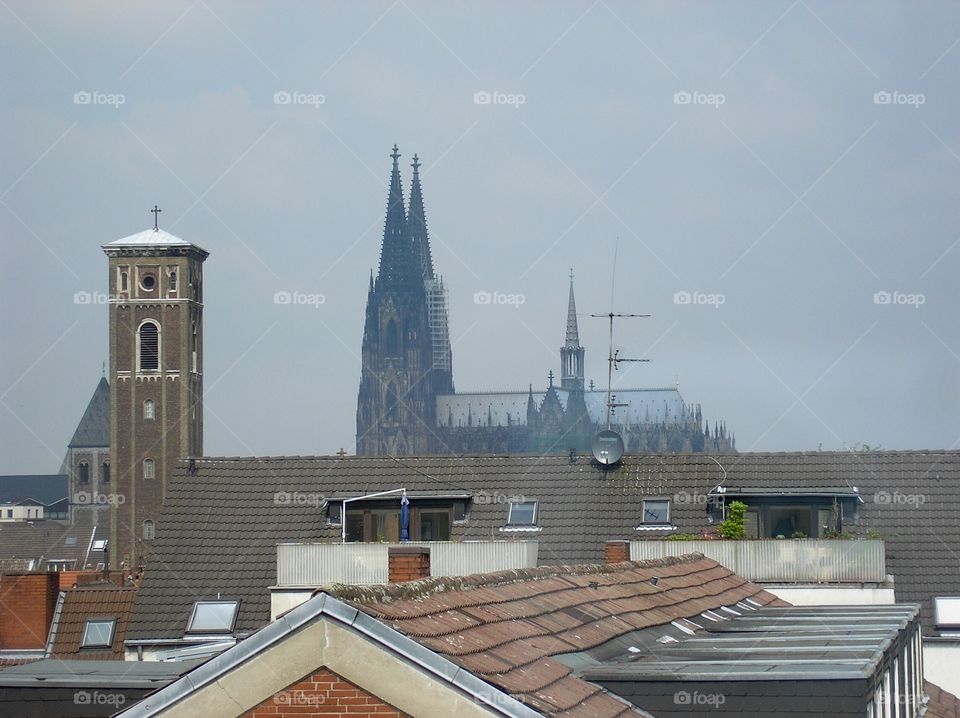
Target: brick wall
616, 551
408, 563
27, 602
324, 694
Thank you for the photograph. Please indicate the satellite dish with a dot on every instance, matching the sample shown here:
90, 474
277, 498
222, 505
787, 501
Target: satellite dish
607, 447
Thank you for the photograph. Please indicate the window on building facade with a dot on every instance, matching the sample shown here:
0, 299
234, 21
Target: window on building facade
105, 472
173, 281
84, 472
148, 409
148, 468
148, 530
149, 347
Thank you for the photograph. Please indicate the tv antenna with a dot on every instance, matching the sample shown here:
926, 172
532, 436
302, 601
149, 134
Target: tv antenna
613, 357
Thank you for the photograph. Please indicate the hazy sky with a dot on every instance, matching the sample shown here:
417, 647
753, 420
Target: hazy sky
782, 163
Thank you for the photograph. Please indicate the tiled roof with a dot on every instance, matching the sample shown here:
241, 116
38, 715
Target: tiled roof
506, 627
941, 703
79, 604
94, 427
44, 541
221, 523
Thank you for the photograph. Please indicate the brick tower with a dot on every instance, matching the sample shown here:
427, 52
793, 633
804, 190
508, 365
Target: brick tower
156, 378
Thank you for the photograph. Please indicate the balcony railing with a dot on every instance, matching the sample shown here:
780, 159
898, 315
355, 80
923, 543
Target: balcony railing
786, 561
314, 564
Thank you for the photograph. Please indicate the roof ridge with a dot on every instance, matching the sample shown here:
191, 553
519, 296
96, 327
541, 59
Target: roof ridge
443, 584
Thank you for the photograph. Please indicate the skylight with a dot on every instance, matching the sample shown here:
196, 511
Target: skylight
99, 545
98, 633
522, 513
71, 541
213, 617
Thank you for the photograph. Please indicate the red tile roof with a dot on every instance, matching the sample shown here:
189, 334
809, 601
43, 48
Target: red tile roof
79, 604
505, 627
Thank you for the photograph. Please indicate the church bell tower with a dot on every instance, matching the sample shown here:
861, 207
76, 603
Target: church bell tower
156, 378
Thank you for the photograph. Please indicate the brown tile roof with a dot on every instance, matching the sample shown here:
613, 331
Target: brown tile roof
79, 604
941, 704
505, 627
221, 524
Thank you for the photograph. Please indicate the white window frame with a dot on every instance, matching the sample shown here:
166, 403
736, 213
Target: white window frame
86, 627
149, 469
643, 509
535, 518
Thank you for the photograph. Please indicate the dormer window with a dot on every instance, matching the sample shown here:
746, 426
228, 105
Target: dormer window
522, 513
213, 617
98, 633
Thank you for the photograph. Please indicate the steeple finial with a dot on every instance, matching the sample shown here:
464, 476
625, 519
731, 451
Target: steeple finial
573, 334
417, 223
156, 217
550, 378
395, 154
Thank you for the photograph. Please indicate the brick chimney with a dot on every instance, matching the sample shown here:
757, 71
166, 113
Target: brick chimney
408, 563
616, 551
27, 602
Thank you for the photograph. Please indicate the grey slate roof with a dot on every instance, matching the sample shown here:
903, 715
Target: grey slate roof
94, 427
44, 541
48, 489
220, 525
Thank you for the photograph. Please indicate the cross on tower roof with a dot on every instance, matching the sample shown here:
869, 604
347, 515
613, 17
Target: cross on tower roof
571, 274
156, 215
395, 154
550, 377
415, 164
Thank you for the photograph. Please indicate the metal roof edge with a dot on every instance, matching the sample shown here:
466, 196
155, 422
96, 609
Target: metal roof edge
320, 606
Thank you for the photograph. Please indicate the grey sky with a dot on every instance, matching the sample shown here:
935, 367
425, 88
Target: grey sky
796, 200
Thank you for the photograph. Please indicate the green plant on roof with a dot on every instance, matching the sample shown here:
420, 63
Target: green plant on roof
798, 535
733, 527
682, 537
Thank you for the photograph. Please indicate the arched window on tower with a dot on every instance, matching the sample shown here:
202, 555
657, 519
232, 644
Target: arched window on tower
105, 472
149, 346
393, 339
148, 469
148, 409
173, 281
148, 531
393, 403
84, 472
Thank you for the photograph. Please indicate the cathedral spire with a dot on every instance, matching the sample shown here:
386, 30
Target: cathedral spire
394, 252
417, 223
573, 335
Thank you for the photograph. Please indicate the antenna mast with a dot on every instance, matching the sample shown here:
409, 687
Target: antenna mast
613, 357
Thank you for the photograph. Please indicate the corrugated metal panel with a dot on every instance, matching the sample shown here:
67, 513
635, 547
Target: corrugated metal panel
314, 564
789, 561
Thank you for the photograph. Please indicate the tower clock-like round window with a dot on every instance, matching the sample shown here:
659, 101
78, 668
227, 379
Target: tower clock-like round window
148, 281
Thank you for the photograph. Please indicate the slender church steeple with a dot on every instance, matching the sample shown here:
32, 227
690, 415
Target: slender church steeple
417, 223
397, 262
572, 354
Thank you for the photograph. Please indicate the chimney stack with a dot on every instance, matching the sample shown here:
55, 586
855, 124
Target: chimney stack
616, 551
27, 603
408, 563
